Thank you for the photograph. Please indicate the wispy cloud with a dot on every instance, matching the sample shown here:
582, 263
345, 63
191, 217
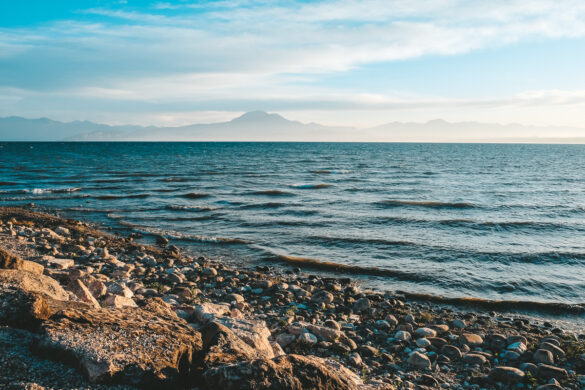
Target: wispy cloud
236, 52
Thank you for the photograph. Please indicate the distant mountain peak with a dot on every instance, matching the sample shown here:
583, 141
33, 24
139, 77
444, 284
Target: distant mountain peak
259, 115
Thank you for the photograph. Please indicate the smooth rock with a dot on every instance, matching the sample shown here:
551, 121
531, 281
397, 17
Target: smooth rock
547, 371
544, 356
419, 361
285, 339
474, 358
425, 332
402, 335
471, 339
307, 338
322, 296
505, 375
361, 305
451, 351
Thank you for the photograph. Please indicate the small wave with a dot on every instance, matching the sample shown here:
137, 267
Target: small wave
272, 193
361, 240
268, 205
497, 305
300, 213
111, 197
438, 205
190, 208
194, 195
311, 186
329, 172
304, 262
7, 183
40, 198
39, 191
165, 189
176, 179
214, 240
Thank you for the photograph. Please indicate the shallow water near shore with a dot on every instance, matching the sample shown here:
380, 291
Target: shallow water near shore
501, 222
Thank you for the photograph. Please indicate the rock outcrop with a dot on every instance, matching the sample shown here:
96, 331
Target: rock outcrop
289, 372
132, 346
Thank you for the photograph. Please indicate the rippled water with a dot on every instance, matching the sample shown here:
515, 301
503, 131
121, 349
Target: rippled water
489, 221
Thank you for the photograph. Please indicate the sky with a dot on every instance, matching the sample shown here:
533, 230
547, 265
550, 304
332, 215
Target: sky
346, 62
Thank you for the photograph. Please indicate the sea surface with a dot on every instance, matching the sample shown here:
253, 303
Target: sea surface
477, 220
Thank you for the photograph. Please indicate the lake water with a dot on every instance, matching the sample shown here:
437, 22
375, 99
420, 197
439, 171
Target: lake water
489, 221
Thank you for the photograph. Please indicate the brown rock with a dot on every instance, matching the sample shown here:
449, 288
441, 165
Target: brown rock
118, 301
130, 346
505, 375
547, 371
11, 261
471, 339
31, 282
222, 346
82, 292
544, 356
252, 332
97, 288
475, 358
289, 372
451, 351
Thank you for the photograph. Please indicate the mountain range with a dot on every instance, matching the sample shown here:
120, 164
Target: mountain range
262, 126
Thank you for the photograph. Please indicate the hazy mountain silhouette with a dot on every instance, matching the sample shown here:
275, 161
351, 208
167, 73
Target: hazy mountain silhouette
262, 126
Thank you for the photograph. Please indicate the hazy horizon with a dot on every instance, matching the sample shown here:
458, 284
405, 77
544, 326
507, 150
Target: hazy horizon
341, 63
263, 126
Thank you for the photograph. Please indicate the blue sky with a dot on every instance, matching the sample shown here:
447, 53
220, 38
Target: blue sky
345, 62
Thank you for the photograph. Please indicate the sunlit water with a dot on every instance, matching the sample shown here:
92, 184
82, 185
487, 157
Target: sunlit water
489, 221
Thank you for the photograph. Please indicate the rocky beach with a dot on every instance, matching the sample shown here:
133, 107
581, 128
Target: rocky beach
81, 308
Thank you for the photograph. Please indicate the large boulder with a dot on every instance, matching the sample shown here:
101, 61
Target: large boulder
131, 346
289, 372
11, 261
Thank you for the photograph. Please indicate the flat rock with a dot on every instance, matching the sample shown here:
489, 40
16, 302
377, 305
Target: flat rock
131, 346
54, 262
206, 312
290, 372
118, 302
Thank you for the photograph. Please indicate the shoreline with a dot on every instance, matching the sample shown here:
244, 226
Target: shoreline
385, 339
566, 314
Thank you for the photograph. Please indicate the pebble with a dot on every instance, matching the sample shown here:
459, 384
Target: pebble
419, 361
544, 356
361, 305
